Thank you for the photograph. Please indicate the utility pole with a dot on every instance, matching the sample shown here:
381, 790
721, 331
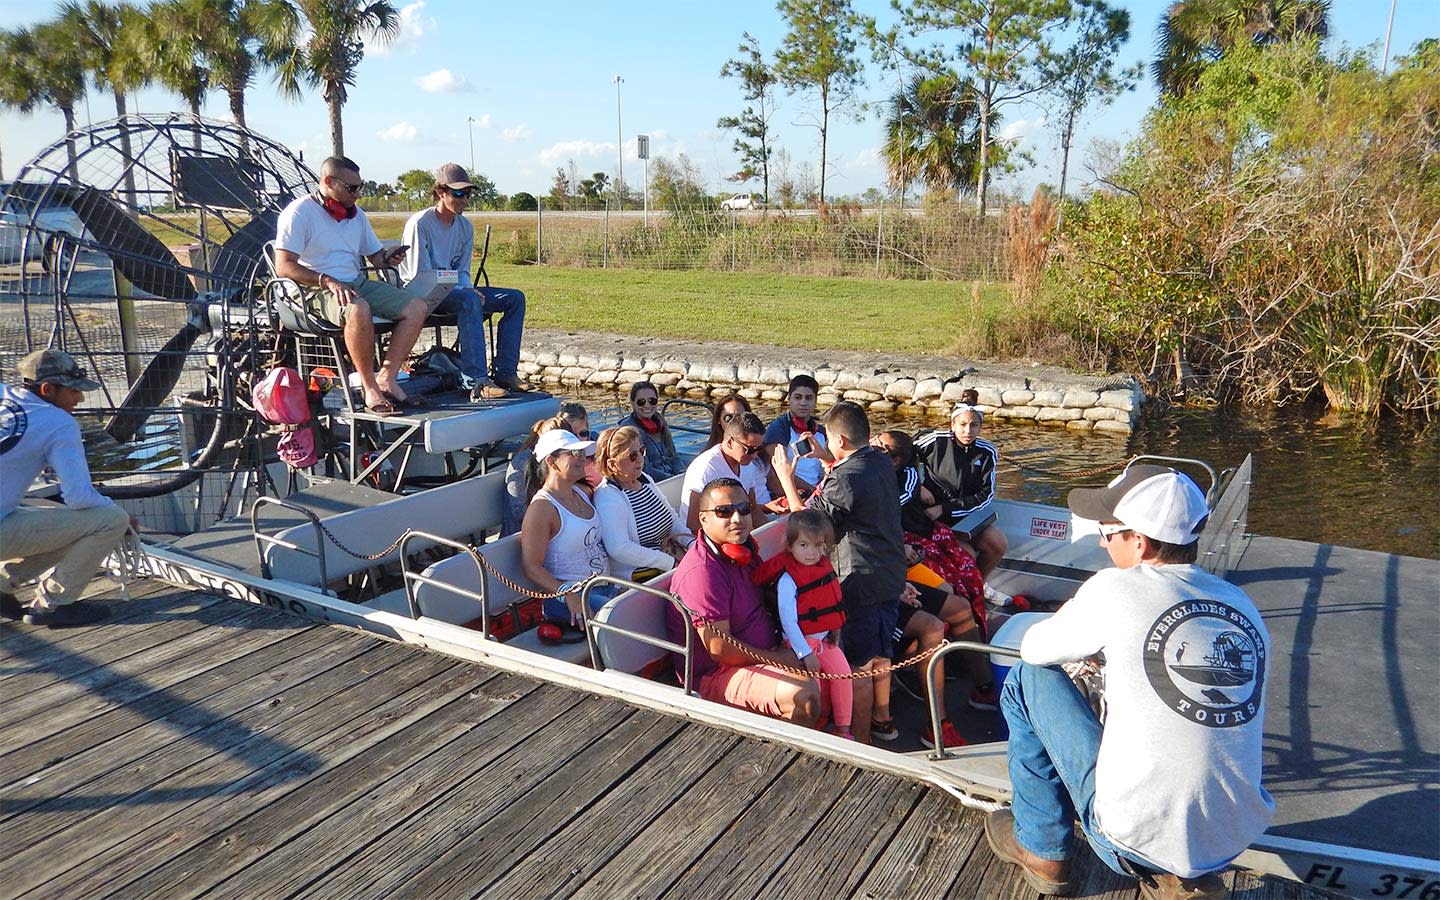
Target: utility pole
642, 148
470, 121
619, 150
1389, 27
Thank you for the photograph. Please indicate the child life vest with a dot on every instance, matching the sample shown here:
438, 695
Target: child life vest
817, 591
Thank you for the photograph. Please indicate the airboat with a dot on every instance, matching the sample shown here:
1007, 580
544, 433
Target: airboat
393, 530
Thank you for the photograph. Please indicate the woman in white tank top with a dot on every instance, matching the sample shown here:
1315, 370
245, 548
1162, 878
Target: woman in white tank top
560, 536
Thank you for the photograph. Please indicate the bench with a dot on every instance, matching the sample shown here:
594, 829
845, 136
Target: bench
300, 553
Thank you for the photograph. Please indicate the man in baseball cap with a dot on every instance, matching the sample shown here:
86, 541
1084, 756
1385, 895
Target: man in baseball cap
1167, 789
442, 239
61, 547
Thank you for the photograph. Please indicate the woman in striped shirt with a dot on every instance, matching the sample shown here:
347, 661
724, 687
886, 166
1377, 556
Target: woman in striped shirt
639, 527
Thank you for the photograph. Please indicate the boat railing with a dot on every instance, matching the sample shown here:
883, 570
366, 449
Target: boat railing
262, 540
681, 425
934, 669
412, 578
593, 626
1212, 492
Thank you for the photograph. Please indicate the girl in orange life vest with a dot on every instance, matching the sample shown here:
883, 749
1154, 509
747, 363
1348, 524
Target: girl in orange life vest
808, 603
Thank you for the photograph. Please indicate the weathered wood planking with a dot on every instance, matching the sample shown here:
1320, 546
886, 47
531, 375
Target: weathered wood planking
237, 752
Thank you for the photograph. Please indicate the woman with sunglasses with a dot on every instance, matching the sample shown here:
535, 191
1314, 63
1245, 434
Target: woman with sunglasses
661, 460
730, 406
639, 527
560, 543
441, 238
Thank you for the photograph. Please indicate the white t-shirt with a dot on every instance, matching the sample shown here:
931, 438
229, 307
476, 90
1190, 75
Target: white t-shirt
435, 245
323, 244
1177, 782
711, 465
35, 433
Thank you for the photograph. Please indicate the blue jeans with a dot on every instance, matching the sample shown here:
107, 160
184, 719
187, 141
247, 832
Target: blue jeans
471, 306
1054, 743
600, 594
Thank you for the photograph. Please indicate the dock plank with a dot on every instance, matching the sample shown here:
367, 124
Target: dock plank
369, 794
128, 815
927, 852
198, 708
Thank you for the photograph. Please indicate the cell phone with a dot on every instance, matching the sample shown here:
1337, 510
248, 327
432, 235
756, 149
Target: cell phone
396, 251
802, 447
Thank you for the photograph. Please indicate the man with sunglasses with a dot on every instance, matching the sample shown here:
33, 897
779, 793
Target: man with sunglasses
319, 242
441, 238
736, 456
1167, 789
736, 642
62, 546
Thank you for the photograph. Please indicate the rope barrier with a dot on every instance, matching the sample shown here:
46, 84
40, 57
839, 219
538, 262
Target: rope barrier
1069, 474
833, 676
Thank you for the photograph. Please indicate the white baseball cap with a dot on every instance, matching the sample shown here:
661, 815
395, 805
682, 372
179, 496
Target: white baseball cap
557, 439
1155, 501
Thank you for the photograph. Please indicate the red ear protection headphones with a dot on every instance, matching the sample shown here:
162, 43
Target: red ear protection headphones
739, 554
337, 210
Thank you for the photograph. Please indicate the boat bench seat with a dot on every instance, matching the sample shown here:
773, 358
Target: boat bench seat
455, 511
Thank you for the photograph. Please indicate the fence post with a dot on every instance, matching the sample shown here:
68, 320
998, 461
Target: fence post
732, 240
879, 237
605, 247
539, 231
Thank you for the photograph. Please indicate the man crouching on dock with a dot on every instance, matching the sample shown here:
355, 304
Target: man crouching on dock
1168, 789
736, 637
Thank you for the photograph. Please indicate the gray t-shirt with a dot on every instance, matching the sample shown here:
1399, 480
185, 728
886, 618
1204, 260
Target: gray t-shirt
435, 245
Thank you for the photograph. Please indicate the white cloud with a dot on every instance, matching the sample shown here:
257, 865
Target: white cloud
443, 81
1020, 129
516, 133
315, 148
483, 121
414, 25
866, 160
577, 150
403, 133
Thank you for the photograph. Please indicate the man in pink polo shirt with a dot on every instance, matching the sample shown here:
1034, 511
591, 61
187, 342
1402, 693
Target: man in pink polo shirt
713, 581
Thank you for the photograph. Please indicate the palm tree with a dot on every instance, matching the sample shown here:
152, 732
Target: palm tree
100, 27
1194, 33
334, 50
932, 134
170, 43
45, 65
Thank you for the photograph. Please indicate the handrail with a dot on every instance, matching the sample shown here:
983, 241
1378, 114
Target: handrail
410, 578
933, 669
685, 401
261, 539
593, 625
1210, 492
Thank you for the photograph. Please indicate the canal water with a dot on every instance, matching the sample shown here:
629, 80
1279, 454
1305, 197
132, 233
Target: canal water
1317, 477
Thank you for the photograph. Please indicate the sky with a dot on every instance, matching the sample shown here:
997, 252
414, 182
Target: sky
523, 88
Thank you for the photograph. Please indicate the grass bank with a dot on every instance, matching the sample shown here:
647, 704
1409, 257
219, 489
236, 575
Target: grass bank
809, 311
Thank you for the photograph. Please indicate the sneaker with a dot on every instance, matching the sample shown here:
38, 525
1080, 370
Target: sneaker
512, 383
71, 615
1163, 886
884, 731
907, 681
948, 734
998, 598
487, 390
10, 607
985, 697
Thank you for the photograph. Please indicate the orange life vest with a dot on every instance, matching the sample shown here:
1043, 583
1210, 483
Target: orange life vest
817, 591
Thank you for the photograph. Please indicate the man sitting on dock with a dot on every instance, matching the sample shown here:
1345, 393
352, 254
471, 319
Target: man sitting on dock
320, 240
61, 545
442, 239
735, 637
1168, 789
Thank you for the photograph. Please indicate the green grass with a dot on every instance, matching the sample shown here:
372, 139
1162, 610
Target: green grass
788, 310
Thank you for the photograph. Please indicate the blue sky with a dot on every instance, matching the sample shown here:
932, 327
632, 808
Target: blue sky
537, 78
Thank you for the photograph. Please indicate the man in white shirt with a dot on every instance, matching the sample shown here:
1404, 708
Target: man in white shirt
441, 238
1168, 789
319, 242
736, 456
61, 546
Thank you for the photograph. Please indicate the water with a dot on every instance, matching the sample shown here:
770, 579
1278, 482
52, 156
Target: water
1316, 477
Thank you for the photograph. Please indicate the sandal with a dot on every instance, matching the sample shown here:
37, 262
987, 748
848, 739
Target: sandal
384, 409
413, 402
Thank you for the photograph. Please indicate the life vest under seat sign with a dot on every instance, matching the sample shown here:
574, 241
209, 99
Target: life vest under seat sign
1052, 529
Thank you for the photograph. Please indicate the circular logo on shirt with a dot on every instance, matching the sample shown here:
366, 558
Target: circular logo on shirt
13, 423
1206, 661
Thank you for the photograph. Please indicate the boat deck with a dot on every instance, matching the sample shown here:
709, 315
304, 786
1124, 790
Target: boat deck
196, 745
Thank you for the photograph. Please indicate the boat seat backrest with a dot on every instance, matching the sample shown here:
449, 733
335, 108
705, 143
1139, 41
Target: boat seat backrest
644, 613
454, 511
671, 489
436, 602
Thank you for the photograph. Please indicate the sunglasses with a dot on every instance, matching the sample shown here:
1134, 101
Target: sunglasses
583, 435
461, 194
643, 401
726, 417
727, 510
751, 451
1109, 531
577, 454
352, 188
636, 455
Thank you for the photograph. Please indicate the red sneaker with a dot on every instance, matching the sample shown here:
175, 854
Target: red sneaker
985, 698
948, 734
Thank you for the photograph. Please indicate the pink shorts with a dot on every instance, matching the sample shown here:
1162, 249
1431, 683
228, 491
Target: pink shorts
755, 688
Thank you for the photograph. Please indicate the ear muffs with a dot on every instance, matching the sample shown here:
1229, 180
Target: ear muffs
337, 210
740, 554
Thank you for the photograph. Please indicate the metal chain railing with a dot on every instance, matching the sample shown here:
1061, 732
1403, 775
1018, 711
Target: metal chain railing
1072, 473
833, 676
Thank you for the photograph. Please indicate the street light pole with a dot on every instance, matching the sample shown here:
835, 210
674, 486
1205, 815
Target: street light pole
619, 149
470, 121
1389, 27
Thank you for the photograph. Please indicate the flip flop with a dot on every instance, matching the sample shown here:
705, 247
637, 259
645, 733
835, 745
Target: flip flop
412, 401
384, 409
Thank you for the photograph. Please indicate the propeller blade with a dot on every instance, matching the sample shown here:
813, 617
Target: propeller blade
154, 384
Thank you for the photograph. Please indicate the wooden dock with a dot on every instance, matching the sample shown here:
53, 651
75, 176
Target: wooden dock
197, 745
